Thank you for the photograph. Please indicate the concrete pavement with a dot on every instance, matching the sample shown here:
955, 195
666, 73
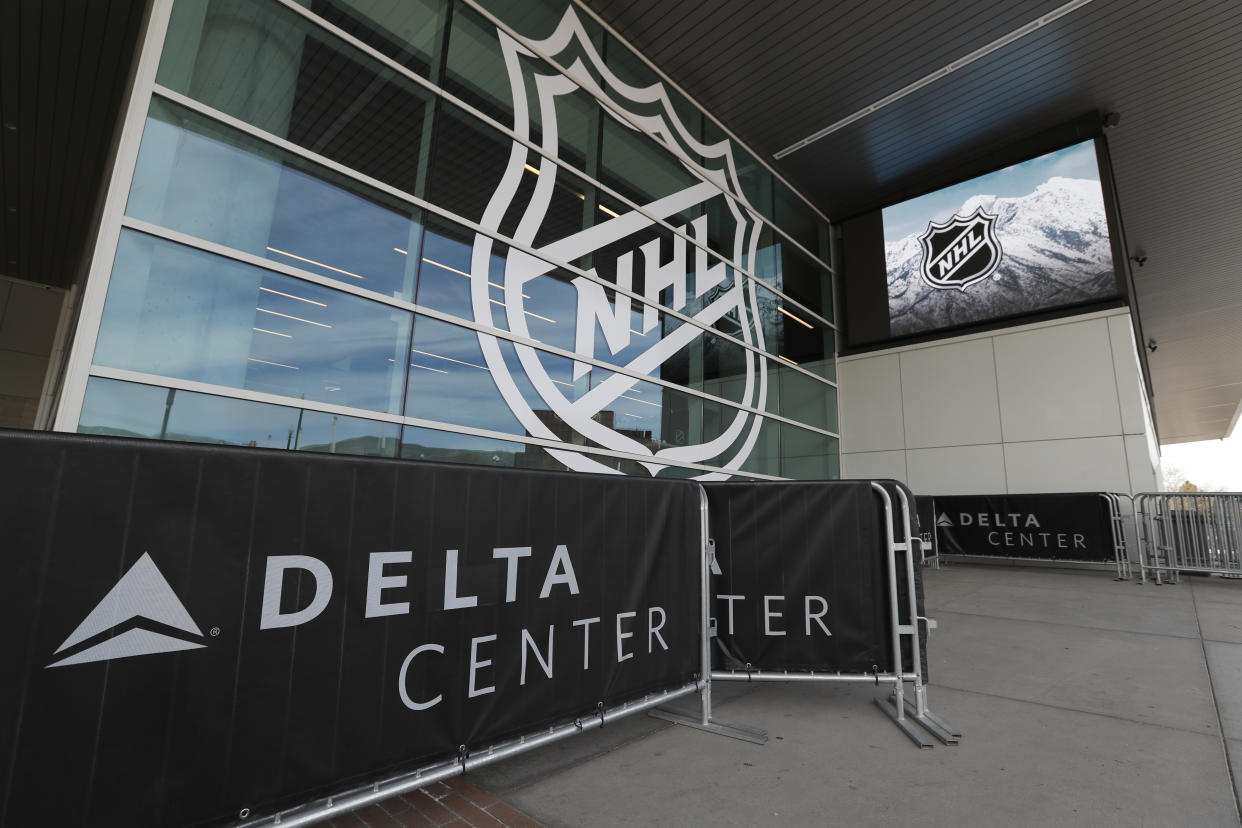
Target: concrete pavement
1082, 700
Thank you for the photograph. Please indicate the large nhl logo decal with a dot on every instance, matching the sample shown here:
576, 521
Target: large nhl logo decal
608, 324
960, 252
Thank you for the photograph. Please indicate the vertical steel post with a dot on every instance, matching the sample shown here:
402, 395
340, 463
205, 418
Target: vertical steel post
912, 605
891, 558
705, 597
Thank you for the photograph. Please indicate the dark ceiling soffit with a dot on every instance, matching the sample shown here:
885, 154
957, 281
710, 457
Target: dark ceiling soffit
1084, 127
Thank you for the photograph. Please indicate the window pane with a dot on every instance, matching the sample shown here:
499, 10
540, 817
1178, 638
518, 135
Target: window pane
807, 400
783, 267
765, 458
180, 312
127, 409
804, 281
477, 73
450, 447
408, 31
806, 455
467, 169
796, 218
450, 381
794, 339
207, 180
265, 65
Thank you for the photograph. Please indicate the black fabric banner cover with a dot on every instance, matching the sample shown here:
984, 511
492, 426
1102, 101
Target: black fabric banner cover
803, 580
195, 630
1068, 527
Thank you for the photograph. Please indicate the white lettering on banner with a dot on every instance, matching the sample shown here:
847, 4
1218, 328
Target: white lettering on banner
819, 603
528, 644
769, 614
273, 586
382, 583
560, 571
586, 623
621, 654
511, 554
653, 629
401, 684
1046, 540
377, 582
1015, 519
731, 599
817, 617
476, 665
451, 599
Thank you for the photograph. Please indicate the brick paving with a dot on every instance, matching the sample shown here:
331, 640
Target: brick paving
454, 802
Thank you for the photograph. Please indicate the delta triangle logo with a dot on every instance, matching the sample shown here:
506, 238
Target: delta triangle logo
142, 592
943, 520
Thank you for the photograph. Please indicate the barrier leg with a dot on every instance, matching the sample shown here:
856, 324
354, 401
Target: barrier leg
900, 704
705, 720
895, 706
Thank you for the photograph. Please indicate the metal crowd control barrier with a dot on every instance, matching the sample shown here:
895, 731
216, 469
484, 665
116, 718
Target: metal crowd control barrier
308, 814
899, 557
171, 499
1075, 530
1121, 518
1193, 532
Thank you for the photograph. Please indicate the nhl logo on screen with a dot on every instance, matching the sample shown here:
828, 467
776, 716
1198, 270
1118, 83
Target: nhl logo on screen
569, 405
960, 252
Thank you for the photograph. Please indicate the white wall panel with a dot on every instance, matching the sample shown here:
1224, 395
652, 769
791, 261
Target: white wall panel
870, 403
948, 395
1057, 382
1095, 464
1144, 469
874, 465
1128, 375
1048, 407
957, 470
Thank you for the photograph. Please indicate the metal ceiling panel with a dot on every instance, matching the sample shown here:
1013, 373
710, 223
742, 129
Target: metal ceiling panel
64, 69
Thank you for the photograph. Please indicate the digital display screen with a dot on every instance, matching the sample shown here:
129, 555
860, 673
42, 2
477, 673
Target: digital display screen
1023, 239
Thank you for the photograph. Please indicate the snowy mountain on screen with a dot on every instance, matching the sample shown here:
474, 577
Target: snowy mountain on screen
1054, 251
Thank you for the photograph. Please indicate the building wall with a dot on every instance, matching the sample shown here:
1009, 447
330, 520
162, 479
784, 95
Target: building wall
28, 319
390, 229
1049, 407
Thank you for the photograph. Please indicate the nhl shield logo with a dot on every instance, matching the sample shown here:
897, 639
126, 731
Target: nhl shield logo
573, 399
960, 252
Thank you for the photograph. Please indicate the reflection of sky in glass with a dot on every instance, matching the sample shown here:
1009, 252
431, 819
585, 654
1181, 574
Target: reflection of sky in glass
450, 381
130, 409
177, 311
232, 189
1077, 161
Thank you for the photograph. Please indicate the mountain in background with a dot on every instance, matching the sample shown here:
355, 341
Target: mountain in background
1055, 251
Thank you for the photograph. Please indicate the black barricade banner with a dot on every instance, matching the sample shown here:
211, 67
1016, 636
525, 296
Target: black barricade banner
1067, 527
803, 577
195, 630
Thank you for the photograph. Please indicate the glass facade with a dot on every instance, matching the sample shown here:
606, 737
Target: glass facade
393, 229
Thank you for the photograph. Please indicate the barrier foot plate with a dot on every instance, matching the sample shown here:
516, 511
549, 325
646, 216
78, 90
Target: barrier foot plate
934, 724
722, 728
905, 725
